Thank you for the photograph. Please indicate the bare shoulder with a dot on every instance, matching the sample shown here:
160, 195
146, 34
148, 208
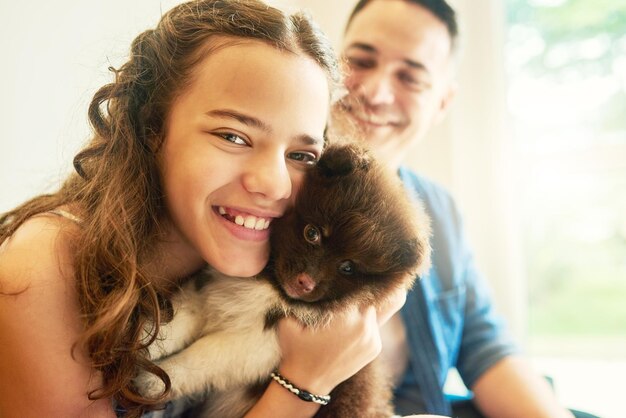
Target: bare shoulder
40, 321
38, 253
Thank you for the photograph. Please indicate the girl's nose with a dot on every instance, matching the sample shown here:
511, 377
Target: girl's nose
268, 175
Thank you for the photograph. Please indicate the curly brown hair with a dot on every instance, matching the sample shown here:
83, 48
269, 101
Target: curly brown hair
116, 188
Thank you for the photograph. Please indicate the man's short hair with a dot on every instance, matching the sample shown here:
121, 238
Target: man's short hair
440, 8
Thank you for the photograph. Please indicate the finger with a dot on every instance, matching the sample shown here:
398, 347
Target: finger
391, 305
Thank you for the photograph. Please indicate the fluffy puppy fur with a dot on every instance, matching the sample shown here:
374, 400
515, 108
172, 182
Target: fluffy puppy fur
351, 239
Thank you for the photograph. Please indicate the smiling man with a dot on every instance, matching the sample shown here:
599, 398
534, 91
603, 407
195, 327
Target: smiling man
400, 74
399, 57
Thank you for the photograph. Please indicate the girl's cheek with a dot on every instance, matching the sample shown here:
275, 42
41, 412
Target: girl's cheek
296, 185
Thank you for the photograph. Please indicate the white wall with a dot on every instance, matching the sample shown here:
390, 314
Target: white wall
56, 54
54, 57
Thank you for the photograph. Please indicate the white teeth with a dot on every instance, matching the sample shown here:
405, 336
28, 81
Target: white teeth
250, 222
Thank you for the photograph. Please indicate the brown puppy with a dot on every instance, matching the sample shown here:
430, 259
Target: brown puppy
352, 238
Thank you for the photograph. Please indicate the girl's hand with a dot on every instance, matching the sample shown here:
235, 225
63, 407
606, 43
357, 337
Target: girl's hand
391, 305
318, 360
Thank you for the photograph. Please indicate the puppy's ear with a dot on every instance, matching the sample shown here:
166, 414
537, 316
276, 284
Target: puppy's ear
414, 255
340, 160
408, 255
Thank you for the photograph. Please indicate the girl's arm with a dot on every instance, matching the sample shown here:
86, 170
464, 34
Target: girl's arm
319, 360
39, 319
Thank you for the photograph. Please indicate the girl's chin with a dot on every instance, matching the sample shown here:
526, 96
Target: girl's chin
241, 269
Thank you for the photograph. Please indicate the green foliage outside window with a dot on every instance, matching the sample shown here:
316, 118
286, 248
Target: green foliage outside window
567, 77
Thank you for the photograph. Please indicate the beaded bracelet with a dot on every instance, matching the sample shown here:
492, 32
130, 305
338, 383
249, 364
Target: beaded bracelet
300, 393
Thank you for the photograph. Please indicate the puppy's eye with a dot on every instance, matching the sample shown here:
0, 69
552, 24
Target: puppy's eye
312, 234
346, 268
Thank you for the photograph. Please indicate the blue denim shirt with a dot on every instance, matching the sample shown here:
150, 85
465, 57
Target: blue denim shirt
449, 317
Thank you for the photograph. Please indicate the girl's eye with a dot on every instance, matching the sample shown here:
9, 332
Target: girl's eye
307, 158
234, 138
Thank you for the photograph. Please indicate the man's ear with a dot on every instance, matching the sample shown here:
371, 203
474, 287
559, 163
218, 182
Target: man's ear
446, 100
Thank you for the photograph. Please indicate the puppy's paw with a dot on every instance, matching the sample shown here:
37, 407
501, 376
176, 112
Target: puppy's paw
149, 385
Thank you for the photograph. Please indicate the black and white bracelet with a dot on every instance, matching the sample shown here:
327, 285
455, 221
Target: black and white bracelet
300, 393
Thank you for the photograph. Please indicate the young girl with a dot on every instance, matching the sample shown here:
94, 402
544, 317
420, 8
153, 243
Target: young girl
199, 143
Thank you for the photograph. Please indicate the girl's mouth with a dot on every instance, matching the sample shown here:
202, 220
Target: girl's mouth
245, 220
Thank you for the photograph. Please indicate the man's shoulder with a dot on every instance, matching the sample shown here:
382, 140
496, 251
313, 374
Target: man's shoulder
448, 238
434, 196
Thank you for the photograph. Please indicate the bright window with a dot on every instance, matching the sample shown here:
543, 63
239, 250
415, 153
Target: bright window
566, 63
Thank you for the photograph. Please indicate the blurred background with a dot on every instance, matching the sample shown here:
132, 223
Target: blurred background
534, 151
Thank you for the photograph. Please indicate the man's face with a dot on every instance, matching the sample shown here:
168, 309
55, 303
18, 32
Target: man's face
398, 64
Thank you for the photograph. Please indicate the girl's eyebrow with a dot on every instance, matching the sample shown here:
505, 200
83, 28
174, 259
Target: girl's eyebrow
240, 117
310, 140
258, 123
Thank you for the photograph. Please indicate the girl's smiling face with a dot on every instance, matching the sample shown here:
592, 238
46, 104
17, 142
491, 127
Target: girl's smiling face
238, 142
